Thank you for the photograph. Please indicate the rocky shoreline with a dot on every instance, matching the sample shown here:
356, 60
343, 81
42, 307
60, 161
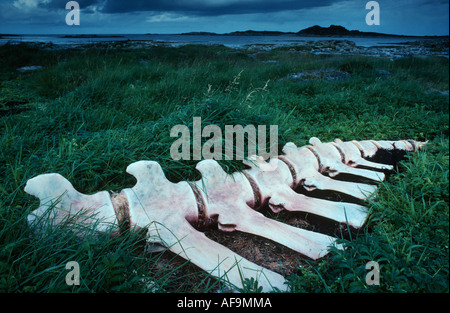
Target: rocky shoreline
420, 48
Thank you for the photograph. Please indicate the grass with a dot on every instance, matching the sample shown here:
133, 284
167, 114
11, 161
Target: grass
90, 112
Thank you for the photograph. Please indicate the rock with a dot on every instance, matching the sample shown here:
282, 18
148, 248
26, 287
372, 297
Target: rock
419, 48
30, 68
330, 74
270, 62
383, 73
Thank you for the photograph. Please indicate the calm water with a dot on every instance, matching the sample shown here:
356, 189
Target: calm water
230, 41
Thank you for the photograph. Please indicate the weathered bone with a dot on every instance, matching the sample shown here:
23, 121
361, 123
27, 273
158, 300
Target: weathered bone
352, 156
170, 209
173, 213
330, 161
234, 213
308, 175
275, 189
63, 203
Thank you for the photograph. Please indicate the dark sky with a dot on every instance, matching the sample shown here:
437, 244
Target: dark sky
405, 17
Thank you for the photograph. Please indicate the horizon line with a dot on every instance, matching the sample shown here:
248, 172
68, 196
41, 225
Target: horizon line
219, 34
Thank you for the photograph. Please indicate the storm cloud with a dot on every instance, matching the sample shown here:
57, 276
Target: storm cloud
212, 7
192, 7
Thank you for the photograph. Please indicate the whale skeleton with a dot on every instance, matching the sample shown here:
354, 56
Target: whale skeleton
174, 214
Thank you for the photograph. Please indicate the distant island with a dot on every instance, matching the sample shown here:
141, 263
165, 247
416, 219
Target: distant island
92, 36
334, 30
316, 31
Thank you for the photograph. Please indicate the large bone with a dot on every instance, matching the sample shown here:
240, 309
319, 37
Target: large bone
61, 203
330, 162
229, 198
352, 156
170, 209
306, 167
369, 148
274, 187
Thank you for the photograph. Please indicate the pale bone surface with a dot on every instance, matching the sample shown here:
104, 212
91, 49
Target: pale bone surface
174, 214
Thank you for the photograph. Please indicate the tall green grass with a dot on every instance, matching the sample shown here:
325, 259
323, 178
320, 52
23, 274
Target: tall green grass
91, 112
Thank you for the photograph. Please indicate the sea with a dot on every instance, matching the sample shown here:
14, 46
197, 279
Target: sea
233, 41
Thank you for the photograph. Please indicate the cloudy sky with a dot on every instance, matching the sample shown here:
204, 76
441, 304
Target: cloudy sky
405, 17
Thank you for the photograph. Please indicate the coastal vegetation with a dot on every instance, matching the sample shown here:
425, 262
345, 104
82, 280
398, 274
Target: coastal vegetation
87, 113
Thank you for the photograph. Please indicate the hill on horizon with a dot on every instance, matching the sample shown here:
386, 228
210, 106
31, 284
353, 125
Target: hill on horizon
316, 30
